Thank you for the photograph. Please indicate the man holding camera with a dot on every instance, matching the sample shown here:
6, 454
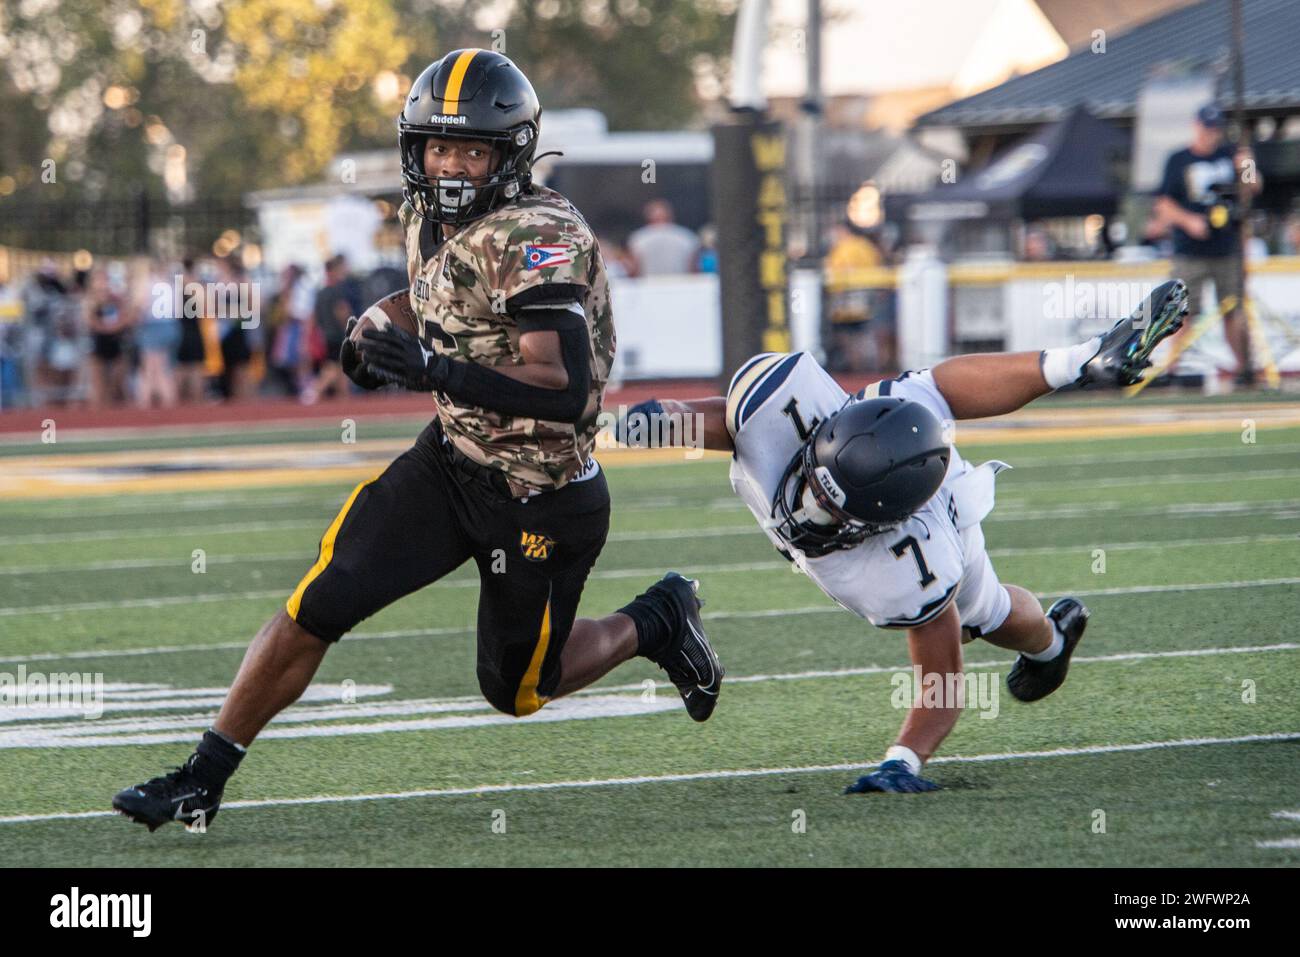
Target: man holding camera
1198, 200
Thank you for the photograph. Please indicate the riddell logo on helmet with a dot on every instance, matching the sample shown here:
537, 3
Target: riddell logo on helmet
451, 120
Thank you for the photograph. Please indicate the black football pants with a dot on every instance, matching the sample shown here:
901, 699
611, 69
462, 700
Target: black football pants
426, 516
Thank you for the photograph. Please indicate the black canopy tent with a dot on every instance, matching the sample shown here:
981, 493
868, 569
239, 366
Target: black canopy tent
1073, 167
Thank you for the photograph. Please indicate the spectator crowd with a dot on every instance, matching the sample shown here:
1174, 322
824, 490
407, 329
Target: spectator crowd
157, 334
153, 333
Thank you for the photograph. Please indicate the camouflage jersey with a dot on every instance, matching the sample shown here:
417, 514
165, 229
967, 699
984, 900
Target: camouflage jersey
460, 295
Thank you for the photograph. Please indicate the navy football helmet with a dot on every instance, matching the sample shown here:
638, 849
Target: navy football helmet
863, 471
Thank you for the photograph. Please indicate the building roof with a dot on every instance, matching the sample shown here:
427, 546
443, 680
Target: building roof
1108, 83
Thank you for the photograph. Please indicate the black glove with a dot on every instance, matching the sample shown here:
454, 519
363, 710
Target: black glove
641, 419
394, 355
350, 360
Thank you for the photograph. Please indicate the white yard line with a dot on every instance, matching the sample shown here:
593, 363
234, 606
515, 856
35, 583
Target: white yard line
980, 665
435, 632
115, 534
58, 609
1160, 455
215, 646
39, 728
1112, 508
23, 727
176, 561
1155, 589
1141, 545
1118, 509
692, 776
103, 605
184, 561
138, 603
84, 734
180, 503
1117, 481
66, 720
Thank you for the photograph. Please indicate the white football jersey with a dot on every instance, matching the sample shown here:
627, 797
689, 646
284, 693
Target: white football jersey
900, 578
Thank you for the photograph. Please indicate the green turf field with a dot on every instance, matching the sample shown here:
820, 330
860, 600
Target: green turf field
393, 759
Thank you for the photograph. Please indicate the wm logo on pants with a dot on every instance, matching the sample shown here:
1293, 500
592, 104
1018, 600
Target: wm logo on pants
536, 548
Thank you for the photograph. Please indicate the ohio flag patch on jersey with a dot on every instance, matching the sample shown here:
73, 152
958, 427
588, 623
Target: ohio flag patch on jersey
541, 256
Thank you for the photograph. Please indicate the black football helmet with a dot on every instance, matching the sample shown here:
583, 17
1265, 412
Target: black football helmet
869, 466
470, 94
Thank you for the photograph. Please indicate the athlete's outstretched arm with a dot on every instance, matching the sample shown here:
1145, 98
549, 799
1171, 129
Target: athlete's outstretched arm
712, 422
708, 430
936, 647
987, 384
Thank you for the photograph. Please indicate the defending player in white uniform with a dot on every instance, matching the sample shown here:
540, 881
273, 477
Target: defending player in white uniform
867, 496
901, 579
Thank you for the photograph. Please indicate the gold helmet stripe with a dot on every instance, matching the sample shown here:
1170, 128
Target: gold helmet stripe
451, 99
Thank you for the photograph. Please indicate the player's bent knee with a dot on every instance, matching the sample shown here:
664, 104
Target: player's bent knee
1001, 609
329, 609
498, 695
282, 626
514, 696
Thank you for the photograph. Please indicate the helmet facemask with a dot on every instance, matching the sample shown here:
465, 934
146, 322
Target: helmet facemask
867, 468
454, 201
799, 524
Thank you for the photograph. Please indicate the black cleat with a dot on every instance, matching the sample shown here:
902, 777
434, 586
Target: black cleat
1126, 349
689, 659
1032, 680
174, 797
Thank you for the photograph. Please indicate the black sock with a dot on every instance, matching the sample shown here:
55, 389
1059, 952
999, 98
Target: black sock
218, 757
655, 623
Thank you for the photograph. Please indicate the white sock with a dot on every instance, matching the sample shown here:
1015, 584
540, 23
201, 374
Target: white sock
1062, 366
1052, 650
909, 757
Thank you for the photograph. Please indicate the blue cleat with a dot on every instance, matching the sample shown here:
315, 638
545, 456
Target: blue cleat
892, 777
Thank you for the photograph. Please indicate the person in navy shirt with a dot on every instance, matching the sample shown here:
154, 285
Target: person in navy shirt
1206, 233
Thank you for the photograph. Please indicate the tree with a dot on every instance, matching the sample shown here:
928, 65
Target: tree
214, 98
237, 95
637, 61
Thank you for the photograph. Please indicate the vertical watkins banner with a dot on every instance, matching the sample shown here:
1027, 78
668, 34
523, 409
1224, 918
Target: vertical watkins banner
750, 212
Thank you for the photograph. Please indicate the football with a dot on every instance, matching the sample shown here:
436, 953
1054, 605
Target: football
393, 309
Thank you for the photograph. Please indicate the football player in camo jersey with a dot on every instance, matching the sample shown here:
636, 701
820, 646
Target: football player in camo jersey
866, 495
516, 344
